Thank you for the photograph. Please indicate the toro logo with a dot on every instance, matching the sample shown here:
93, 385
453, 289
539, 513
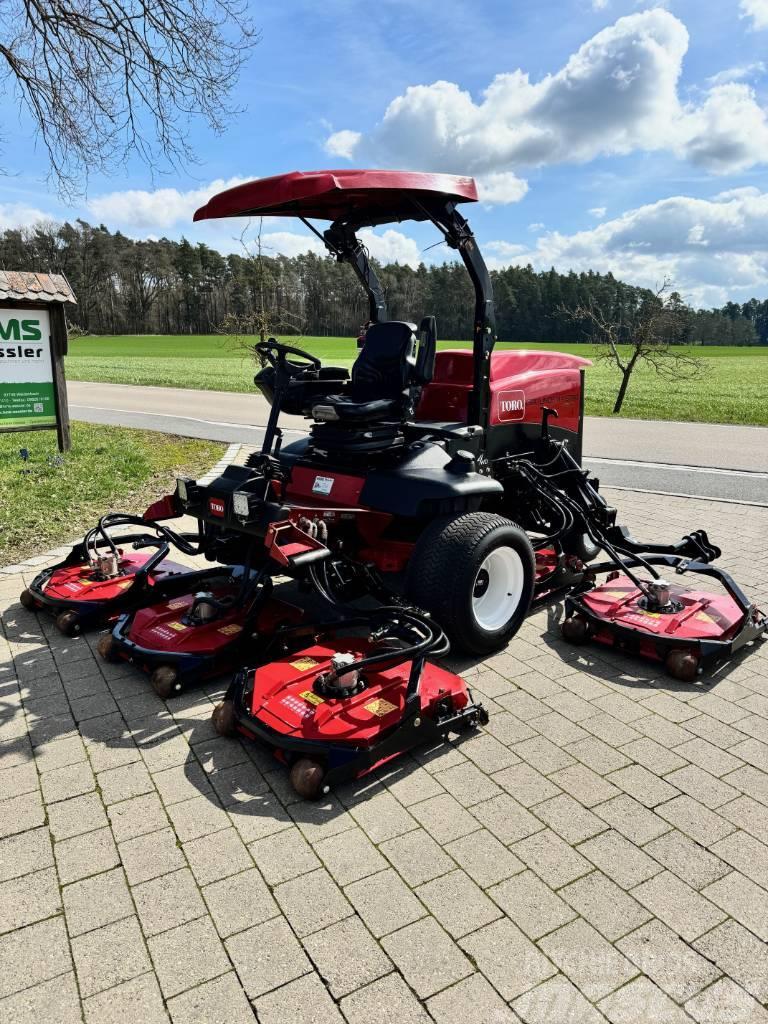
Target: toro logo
216, 507
511, 406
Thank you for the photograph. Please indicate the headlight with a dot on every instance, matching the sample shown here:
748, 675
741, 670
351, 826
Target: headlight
241, 505
181, 487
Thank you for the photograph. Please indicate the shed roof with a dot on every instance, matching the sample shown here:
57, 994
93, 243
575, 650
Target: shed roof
25, 286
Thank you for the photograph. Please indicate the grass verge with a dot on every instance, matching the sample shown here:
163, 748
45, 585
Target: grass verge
43, 504
732, 386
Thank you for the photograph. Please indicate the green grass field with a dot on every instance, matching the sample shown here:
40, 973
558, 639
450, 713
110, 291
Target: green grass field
732, 386
44, 503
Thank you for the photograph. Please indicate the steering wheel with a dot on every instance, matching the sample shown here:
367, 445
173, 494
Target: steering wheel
276, 354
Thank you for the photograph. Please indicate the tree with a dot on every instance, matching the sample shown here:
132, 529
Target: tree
264, 318
654, 333
102, 79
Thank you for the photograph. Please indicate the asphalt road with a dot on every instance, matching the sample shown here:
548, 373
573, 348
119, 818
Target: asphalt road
703, 460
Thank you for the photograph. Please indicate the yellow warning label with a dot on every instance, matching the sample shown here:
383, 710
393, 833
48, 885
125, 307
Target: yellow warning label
178, 603
124, 585
311, 697
703, 617
231, 629
86, 583
302, 664
178, 626
380, 707
651, 615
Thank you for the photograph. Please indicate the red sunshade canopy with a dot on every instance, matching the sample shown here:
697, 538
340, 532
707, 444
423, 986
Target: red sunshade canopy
363, 197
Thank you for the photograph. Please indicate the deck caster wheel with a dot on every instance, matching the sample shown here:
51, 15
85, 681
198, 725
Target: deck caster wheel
106, 648
27, 599
307, 778
223, 718
165, 682
68, 623
682, 665
575, 629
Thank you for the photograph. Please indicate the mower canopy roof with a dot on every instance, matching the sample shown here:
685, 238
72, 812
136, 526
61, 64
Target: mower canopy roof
356, 197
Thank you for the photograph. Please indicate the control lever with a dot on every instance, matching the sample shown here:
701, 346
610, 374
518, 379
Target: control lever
546, 412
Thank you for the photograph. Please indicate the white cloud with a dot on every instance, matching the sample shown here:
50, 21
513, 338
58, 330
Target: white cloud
160, 208
391, 246
729, 132
505, 249
388, 246
600, 5
19, 215
617, 94
737, 74
536, 226
711, 249
598, 211
342, 143
501, 187
757, 10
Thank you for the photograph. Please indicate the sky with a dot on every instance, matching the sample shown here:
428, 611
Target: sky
603, 134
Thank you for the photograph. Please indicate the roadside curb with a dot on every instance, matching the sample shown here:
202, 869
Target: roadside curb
62, 550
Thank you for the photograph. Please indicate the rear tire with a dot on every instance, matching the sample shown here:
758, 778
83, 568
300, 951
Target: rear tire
26, 598
475, 573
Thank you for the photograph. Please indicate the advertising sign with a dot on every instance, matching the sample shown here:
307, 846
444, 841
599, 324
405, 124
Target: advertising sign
27, 383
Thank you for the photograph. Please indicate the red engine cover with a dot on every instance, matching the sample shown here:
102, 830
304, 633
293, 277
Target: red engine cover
704, 616
522, 381
284, 699
81, 583
161, 627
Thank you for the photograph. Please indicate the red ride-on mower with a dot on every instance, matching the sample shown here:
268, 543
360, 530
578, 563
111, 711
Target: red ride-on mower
340, 707
107, 573
451, 477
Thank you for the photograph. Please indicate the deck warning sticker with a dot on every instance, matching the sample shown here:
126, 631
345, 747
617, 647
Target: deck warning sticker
304, 664
311, 697
380, 707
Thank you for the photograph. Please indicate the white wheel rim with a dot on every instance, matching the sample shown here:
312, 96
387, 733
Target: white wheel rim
497, 589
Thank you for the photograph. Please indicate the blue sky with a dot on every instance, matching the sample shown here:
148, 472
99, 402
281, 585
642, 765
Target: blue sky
603, 133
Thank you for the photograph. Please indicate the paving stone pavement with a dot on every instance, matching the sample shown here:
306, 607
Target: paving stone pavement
598, 853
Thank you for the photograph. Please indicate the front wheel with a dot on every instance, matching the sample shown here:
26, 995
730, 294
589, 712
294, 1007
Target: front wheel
475, 573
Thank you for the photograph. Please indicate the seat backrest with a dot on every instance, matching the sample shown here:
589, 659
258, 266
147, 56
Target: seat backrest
386, 365
425, 360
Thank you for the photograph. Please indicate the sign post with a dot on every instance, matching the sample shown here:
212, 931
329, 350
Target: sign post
33, 343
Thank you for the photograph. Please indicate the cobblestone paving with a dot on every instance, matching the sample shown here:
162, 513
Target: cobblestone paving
599, 852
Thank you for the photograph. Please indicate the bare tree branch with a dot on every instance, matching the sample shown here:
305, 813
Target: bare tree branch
102, 79
654, 333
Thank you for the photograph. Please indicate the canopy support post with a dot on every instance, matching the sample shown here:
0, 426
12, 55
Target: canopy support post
340, 239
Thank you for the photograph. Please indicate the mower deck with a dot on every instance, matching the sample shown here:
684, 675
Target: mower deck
177, 650
325, 739
82, 598
695, 631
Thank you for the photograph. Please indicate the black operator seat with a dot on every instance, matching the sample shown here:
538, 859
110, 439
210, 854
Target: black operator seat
387, 375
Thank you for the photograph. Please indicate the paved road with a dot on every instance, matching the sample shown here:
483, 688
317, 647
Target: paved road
705, 460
